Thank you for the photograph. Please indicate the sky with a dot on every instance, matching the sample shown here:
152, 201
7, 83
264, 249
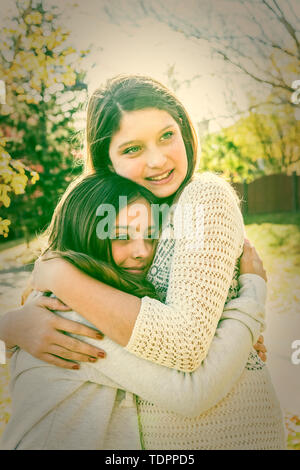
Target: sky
150, 47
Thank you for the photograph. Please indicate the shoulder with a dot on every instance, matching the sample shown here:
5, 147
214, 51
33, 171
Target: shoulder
209, 187
214, 200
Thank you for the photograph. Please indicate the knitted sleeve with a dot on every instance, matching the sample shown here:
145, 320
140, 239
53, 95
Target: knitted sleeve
178, 333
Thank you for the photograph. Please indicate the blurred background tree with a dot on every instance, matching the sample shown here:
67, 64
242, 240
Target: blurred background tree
45, 90
259, 144
13, 179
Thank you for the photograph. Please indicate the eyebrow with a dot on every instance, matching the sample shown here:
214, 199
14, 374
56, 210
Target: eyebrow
134, 141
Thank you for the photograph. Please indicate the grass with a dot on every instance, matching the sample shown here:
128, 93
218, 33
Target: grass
277, 239
278, 218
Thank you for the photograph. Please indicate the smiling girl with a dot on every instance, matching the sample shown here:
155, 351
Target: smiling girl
105, 227
139, 130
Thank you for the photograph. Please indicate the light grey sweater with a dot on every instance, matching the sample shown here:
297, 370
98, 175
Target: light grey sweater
94, 407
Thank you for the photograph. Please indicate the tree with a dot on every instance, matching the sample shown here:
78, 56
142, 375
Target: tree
13, 178
46, 88
257, 144
222, 155
270, 138
258, 38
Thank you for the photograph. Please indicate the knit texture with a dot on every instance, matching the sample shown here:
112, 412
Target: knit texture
195, 285
194, 274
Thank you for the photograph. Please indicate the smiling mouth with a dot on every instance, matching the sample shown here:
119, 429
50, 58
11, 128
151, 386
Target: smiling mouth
161, 177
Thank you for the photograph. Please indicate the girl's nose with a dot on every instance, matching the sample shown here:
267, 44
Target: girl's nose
156, 158
140, 249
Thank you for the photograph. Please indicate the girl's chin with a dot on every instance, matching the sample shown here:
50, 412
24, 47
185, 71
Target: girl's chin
165, 190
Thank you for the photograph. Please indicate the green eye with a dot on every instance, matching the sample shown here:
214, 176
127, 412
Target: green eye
132, 150
167, 135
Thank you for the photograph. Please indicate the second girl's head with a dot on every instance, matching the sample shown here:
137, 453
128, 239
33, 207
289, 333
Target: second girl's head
137, 128
110, 238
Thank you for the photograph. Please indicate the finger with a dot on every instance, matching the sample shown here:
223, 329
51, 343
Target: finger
260, 339
57, 361
247, 245
70, 355
263, 356
52, 303
26, 294
77, 328
260, 347
77, 346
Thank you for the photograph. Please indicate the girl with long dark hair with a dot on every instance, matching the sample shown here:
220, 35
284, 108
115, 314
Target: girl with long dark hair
139, 130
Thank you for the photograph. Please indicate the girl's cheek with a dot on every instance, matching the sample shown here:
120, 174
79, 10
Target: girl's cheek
117, 253
178, 146
130, 169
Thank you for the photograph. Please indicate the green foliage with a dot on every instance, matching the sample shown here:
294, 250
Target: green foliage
13, 179
45, 89
269, 138
258, 144
221, 154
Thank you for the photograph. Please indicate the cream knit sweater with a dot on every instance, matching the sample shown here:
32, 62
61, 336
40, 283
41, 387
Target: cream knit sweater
194, 284
194, 274
224, 404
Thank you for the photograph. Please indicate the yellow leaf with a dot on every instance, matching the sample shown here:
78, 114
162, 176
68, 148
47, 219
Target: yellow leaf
35, 177
4, 224
48, 17
34, 18
4, 198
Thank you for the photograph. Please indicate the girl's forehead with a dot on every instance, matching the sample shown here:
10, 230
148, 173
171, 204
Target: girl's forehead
141, 120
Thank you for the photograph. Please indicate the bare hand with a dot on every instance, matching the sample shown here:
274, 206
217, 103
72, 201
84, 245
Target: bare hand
261, 348
38, 331
251, 263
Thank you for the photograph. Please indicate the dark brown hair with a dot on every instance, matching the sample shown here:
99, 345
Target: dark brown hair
72, 233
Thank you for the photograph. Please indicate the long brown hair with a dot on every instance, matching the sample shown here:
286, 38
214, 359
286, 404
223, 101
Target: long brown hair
130, 93
72, 234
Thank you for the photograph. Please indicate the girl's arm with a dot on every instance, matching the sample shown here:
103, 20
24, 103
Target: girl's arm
38, 331
189, 394
176, 333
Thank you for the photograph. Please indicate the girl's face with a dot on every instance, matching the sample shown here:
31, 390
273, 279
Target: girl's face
133, 249
149, 149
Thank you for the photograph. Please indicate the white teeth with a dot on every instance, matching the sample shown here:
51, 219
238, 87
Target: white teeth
158, 178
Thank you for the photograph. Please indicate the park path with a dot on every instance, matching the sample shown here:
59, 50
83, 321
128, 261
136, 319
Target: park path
282, 329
